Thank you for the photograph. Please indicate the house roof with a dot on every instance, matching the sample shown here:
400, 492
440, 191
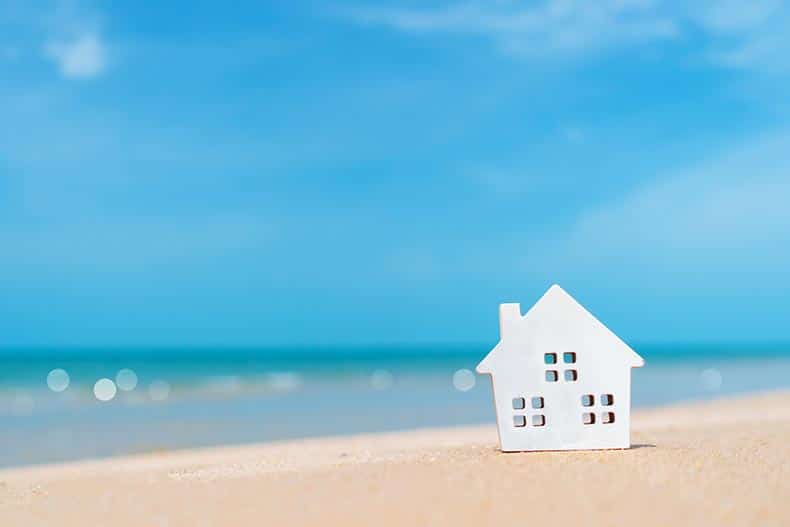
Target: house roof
554, 304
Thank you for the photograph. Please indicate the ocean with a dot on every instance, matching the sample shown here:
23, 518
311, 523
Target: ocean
164, 399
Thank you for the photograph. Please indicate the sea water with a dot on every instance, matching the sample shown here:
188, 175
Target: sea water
162, 399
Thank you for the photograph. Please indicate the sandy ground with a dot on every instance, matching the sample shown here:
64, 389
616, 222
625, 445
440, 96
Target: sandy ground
720, 463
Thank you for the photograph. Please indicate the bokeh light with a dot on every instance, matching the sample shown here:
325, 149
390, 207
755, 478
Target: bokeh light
284, 381
159, 390
711, 379
126, 380
104, 389
381, 380
58, 380
464, 380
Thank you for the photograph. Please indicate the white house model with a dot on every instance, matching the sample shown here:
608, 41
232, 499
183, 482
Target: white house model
562, 380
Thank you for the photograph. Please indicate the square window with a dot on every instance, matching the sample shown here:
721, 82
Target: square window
518, 403
571, 375
607, 399
550, 358
588, 400
607, 418
538, 420
551, 375
537, 402
519, 421
588, 418
569, 358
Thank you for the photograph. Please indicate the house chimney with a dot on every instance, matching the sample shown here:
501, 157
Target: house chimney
509, 315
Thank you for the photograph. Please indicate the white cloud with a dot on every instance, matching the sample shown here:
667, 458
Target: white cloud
735, 15
746, 35
729, 212
83, 57
537, 29
766, 53
737, 34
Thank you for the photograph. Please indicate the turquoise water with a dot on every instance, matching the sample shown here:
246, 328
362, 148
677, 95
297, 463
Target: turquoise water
186, 398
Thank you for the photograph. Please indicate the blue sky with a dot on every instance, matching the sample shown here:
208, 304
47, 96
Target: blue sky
186, 174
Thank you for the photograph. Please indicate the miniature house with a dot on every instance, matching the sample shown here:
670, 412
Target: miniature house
561, 379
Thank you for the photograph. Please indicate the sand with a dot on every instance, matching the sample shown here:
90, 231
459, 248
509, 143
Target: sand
719, 463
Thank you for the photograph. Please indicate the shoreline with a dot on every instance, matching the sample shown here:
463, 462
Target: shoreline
212, 409
714, 462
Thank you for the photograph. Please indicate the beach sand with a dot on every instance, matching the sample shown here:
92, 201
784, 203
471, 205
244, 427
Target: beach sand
725, 462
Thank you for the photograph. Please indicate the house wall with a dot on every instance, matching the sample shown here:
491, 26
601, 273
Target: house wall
519, 371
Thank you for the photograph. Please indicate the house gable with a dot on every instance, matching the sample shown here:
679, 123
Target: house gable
556, 322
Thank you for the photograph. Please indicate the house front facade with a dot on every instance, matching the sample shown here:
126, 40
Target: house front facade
561, 379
